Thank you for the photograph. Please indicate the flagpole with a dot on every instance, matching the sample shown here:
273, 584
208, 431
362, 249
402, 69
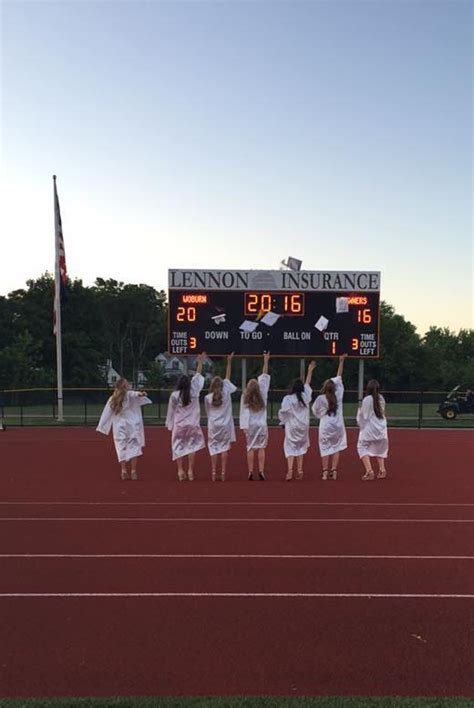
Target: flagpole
57, 306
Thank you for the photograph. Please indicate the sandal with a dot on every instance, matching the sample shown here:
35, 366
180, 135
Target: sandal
299, 475
124, 475
324, 475
190, 476
181, 476
368, 476
213, 476
381, 474
333, 474
134, 475
222, 476
289, 477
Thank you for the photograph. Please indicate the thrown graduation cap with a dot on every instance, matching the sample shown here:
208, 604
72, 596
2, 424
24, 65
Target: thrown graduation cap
270, 318
248, 326
293, 263
219, 319
342, 304
322, 323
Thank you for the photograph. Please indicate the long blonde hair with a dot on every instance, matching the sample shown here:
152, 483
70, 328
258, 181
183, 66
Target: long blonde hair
216, 389
118, 396
253, 397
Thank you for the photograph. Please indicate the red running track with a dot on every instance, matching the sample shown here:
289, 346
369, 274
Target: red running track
160, 588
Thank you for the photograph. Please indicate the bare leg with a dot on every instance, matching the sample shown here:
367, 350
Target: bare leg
213, 467
250, 461
181, 472
299, 466
369, 473
325, 461
334, 464
382, 471
191, 458
289, 475
224, 464
133, 464
123, 470
261, 463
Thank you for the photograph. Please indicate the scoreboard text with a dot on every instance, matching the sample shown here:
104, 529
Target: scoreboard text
311, 321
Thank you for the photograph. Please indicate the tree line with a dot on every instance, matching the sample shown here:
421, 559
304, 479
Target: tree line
127, 324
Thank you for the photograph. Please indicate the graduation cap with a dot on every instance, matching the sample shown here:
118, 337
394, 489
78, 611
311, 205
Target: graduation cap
292, 263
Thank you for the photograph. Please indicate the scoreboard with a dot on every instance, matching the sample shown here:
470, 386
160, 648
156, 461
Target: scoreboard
301, 313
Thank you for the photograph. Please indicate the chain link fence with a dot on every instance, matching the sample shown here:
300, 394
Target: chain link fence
30, 407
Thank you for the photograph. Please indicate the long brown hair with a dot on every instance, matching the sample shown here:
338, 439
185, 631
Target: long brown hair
298, 388
184, 388
373, 389
118, 396
253, 397
216, 389
329, 390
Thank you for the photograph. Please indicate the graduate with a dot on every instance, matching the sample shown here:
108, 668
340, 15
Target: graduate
294, 415
332, 431
183, 420
122, 414
373, 436
253, 419
220, 425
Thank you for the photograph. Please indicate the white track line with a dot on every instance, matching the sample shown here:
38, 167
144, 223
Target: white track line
232, 520
227, 556
235, 594
236, 503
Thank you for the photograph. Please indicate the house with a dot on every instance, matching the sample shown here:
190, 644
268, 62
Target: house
108, 372
174, 366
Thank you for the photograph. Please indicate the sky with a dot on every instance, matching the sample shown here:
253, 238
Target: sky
236, 134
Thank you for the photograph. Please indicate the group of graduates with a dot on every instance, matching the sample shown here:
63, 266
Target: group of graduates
122, 414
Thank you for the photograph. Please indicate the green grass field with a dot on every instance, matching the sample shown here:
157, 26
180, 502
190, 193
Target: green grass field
398, 414
240, 702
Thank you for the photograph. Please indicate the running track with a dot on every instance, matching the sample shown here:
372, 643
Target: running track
304, 588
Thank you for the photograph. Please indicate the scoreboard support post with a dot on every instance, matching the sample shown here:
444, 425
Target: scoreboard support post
360, 387
302, 369
244, 373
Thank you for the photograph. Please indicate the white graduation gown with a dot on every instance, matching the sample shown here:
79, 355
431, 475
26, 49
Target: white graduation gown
220, 425
127, 426
373, 435
254, 423
295, 417
184, 421
332, 431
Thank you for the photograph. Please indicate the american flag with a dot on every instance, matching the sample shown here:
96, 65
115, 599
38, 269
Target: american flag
60, 264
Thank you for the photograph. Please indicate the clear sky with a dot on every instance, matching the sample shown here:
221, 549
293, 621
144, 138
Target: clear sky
234, 134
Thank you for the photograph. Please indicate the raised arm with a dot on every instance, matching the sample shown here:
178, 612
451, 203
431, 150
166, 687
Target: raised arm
309, 374
229, 365
200, 361
266, 359
340, 368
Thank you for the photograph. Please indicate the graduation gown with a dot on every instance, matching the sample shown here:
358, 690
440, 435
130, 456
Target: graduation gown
373, 435
332, 434
127, 426
220, 421
184, 421
295, 418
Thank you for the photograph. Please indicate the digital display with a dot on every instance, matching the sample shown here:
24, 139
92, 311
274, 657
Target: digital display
286, 323
284, 303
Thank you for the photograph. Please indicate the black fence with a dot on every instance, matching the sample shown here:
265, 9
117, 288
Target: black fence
29, 407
